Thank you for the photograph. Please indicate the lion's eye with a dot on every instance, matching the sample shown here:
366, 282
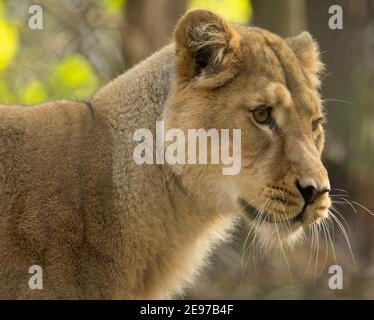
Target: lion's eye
316, 123
263, 114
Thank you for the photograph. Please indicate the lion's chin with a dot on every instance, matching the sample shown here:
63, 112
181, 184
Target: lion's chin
272, 237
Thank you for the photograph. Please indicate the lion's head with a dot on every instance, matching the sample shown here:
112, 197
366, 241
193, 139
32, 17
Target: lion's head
248, 78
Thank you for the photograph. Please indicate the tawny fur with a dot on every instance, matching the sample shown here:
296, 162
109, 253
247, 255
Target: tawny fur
102, 227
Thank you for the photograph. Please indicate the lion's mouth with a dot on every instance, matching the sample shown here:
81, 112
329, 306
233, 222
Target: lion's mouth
254, 214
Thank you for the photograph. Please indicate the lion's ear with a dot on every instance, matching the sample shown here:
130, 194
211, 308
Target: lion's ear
307, 51
207, 49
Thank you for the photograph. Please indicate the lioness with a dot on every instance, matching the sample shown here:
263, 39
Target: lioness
74, 202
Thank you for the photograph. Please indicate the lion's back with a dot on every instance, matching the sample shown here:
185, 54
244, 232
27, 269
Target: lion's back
54, 171
72, 193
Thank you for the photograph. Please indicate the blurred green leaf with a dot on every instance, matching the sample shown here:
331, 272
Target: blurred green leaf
8, 43
6, 94
237, 11
114, 6
73, 77
34, 92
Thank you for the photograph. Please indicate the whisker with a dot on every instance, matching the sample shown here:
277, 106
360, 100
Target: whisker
311, 248
341, 216
251, 231
339, 195
317, 251
337, 100
256, 224
330, 239
363, 207
344, 232
345, 201
284, 253
345, 191
326, 246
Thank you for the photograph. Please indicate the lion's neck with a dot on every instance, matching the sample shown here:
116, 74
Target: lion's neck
193, 228
165, 231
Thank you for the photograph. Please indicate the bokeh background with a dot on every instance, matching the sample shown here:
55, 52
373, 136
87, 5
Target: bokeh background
86, 43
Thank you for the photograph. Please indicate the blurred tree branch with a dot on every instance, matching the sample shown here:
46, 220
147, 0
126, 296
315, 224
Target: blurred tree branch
283, 17
148, 27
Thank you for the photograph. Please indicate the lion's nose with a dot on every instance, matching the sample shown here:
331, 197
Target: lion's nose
310, 192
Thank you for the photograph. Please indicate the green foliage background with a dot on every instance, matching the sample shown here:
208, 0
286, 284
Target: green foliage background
57, 62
